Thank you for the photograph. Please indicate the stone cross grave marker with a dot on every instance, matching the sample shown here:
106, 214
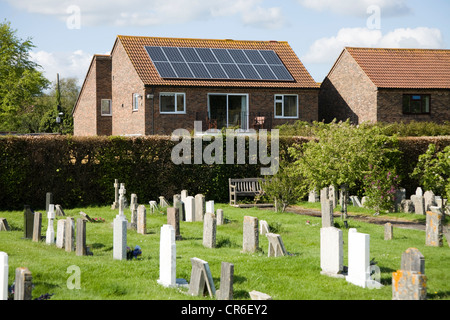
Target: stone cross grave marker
50, 234
201, 279
133, 208
115, 204
226, 282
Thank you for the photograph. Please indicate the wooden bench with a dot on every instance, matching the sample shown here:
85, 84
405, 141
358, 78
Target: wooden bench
244, 187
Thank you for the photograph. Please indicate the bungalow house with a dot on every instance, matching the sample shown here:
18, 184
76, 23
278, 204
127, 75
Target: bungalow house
387, 85
152, 85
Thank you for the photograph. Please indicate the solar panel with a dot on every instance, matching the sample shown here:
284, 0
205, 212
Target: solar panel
218, 63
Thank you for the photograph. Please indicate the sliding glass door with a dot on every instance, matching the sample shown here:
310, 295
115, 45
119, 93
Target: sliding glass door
228, 110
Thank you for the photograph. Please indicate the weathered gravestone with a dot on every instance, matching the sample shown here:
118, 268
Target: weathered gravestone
250, 234
400, 195
220, 217
4, 270
4, 225
209, 230
50, 234
276, 245
37, 226
173, 218
81, 237
409, 283
48, 200
407, 206
163, 202
419, 204
331, 252
133, 208
60, 233
324, 194
28, 216
429, 199
226, 282
153, 206
23, 285
327, 213
201, 279
141, 219
177, 203
263, 227
333, 195
59, 212
359, 269
69, 244
85, 216
199, 207
434, 229
189, 206
388, 231
313, 196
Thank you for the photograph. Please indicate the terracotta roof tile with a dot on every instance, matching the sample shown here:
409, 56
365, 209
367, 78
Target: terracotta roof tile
134, 46
404, 68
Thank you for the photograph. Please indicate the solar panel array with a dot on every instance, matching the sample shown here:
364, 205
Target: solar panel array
218, 63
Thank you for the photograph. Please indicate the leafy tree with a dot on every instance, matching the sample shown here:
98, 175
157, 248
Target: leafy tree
433, 170
20, 80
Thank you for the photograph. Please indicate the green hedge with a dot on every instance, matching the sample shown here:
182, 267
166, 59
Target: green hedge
80, 171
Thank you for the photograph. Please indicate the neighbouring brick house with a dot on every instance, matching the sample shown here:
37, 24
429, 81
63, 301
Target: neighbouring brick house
387, 85
151, 85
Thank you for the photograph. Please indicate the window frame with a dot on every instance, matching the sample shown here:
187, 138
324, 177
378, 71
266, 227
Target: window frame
110, 108
282, 106
135, 102
174, 94
422, 103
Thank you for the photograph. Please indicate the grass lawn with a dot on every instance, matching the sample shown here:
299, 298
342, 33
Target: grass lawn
293, 277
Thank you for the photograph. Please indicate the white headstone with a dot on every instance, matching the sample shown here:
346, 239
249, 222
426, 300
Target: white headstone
331, 251
60, 233
50, 235
359, 260
263, 227
167, 256
120, 231
184, 195
4, 267
419, 192
210, 206
153, 206
189, 206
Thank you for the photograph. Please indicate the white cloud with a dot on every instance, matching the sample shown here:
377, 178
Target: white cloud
67, 64
326, 50
154, 12
358, 7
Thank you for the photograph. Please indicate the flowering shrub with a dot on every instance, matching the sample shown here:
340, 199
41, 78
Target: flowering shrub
380, 186
133, 253
99, 219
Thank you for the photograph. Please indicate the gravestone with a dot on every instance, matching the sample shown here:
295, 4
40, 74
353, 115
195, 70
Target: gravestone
122, 191
409, 283
199, 207
355, 201
23, 285
37, 225
4, 270
50, 235
173, 218
167, 259
69, 243
220, 217
364, 201
28, 216
81, 237
189, 206
115, 204
85, 216
48, 200
209, 206
263, 227
400, 195
251, 235
419, 192
184, 195
359, 260
133, 208
4, 225
276, 245
153, 206
141, 220
331, 252
429, 199
327, 213
226, 282
60, 233
201, 279
163, 202
313, 196
324, 194
434, 229
388, 231
419, 204
256, 295
407, 206
177, 203
59, 212
120, 230
333, 195
209, 230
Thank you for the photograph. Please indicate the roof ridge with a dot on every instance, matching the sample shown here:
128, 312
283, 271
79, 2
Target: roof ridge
199, 39
396, 49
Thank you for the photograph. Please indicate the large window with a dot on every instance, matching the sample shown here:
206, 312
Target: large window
416, 103
286, 106
172, 103
106, 107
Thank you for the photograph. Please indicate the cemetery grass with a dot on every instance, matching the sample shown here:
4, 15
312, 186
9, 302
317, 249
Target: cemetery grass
293, 277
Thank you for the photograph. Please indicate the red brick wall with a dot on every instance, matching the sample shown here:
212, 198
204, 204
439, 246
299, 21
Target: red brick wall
104, 123
390, 103
347, 92
125, 82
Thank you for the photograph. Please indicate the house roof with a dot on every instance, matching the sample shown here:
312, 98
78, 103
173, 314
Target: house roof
135, 48
404, 68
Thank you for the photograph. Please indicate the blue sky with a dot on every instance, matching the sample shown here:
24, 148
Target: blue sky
67, 33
